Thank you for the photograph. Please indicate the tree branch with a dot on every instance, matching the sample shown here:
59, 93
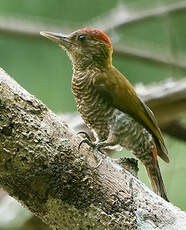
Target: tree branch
148, 56
117, 18
40, 166
26, 27
176, 129
121, 16
166, 99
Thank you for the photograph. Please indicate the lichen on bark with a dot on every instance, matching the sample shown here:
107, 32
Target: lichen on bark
41, 166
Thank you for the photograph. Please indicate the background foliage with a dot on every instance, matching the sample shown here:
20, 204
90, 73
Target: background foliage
148, 36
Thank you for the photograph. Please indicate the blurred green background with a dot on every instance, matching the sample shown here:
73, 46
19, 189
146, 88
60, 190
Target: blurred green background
149, 28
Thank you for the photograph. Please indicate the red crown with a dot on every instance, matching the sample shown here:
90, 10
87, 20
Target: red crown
98, 34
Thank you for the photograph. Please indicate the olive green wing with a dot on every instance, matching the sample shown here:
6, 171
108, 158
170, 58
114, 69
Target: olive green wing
121, 94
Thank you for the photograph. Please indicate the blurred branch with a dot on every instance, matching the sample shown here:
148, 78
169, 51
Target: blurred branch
41, 166
34, 223
176, 129
148, 56
118, 17
172, 41
24, 27
14, 216
166, 99
2, 194
121, 16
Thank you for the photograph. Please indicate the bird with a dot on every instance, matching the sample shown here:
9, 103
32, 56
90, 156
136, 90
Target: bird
108, 103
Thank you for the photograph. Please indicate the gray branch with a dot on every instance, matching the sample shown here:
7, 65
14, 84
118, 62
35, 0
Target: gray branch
117, 18
167, 99
26, 27
122, 16
148, 56
41, 166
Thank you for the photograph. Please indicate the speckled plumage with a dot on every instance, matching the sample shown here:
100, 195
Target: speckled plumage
94, 109
109, 123
109, 104
114, 127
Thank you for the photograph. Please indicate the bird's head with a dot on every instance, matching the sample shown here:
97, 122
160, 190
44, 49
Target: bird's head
85, 47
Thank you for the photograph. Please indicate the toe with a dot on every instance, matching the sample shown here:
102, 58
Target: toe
86, 136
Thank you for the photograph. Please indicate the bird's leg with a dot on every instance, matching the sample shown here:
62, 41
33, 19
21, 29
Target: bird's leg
98, 153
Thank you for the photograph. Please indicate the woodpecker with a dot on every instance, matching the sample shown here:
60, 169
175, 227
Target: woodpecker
109, 104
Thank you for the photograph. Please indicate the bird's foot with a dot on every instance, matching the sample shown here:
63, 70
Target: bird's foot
99, 154
86, 139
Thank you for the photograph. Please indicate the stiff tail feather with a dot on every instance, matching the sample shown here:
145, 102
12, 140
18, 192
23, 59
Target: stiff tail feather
156, 180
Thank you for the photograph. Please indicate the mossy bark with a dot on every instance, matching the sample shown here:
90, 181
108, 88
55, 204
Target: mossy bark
41, 166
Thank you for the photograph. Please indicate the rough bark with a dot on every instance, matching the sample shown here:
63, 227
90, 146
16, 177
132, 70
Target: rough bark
41, 167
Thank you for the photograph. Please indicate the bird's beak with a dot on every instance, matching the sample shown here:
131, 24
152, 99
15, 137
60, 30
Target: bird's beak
59, 38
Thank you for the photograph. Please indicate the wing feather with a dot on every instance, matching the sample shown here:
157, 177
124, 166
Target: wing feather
122, 95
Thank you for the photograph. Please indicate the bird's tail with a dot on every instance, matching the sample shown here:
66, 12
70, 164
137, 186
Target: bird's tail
156, 179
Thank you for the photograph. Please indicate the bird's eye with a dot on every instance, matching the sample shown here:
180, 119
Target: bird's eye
81, 37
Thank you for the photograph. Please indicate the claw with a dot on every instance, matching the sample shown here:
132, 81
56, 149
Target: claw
99, 154
99, 163
87, 141
85, 134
